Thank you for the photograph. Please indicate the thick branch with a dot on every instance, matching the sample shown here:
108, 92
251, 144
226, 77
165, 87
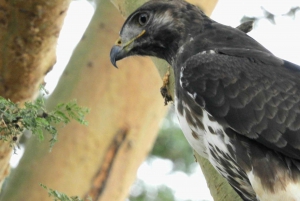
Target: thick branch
28, 35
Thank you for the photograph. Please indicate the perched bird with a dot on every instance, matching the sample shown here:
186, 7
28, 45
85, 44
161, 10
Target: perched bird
238, 104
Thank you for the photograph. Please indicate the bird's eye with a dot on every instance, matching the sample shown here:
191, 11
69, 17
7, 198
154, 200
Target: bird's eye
143, 19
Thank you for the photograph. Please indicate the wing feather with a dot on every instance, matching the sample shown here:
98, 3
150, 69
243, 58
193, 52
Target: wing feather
251, 92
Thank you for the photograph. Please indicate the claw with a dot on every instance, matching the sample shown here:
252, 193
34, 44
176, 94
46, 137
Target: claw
164, 89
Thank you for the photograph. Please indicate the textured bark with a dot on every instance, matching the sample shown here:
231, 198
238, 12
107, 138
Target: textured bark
28, 35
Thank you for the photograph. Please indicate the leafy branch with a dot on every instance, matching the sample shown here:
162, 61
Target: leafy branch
14, 120
58, 196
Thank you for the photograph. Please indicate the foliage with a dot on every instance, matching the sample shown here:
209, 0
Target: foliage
33, 116
58, 196
14, 119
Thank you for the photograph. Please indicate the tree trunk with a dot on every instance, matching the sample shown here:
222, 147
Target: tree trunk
28, 35
99, 160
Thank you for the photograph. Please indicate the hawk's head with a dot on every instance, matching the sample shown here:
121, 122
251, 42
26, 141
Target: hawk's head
158, 28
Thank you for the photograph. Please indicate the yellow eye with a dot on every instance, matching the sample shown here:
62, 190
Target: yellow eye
143, 19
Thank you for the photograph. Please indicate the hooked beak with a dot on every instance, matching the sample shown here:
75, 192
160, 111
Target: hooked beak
117, 52
120, 50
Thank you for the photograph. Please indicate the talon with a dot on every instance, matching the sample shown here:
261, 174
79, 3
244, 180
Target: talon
164, 89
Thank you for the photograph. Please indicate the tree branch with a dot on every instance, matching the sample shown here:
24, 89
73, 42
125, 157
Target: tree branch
28, 35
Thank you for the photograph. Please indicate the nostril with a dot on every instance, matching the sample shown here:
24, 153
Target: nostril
119, 42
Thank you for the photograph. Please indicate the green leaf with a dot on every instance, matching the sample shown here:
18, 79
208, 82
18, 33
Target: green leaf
61, 116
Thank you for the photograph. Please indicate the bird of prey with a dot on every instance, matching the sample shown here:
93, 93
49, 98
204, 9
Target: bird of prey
238, 105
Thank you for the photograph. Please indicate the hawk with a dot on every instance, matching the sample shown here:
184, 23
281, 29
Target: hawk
238, 105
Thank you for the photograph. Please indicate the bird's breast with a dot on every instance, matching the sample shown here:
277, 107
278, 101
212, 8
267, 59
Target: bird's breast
208, 139
201, 130
193, 134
